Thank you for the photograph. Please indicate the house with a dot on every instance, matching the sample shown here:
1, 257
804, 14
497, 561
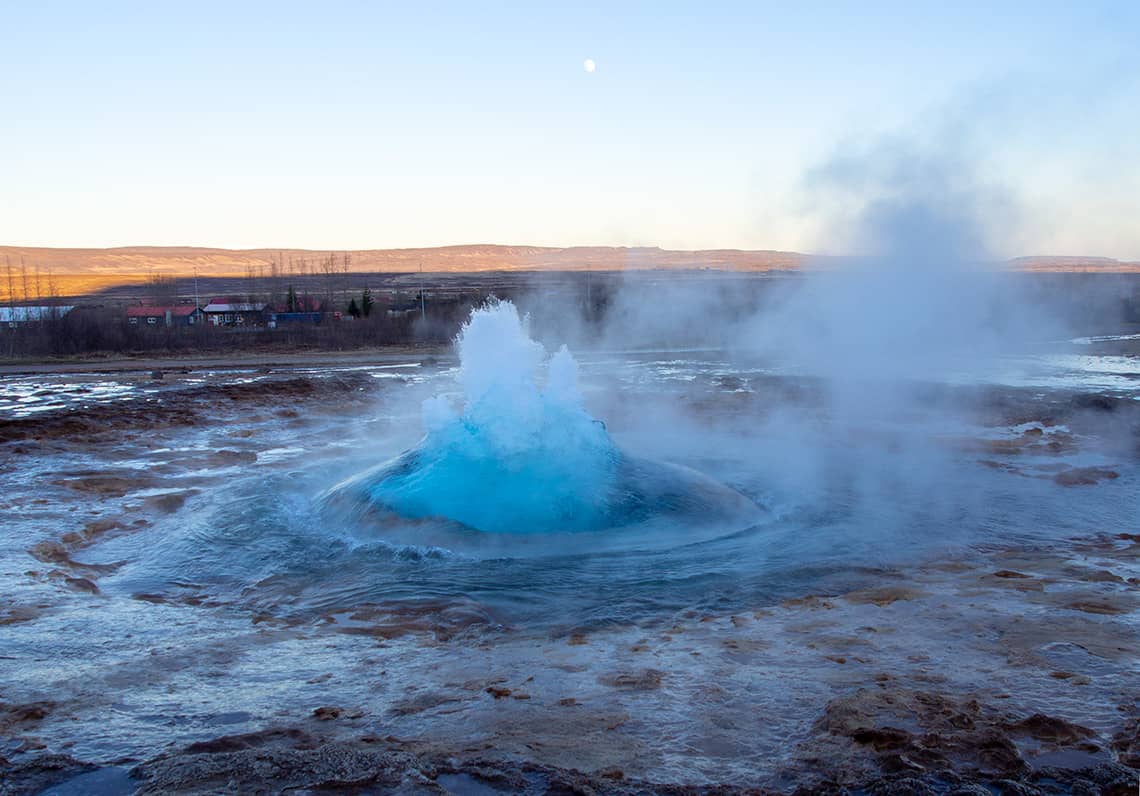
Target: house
304, 310
399, 308
176, 315
233, 312
12, 317
275, 319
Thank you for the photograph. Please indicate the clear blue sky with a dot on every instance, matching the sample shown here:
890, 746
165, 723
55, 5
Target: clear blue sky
370, 124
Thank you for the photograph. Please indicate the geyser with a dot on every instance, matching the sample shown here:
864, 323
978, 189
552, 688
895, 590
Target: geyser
521, 458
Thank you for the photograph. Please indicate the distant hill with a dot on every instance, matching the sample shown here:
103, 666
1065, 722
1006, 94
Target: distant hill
1075, 264
482, 257
79, 271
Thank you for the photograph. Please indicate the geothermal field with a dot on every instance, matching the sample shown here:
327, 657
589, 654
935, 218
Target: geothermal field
569, 399
858, 545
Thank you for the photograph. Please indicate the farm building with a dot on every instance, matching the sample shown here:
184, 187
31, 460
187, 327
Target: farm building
275, 319
12, 317
177, 315
232, 312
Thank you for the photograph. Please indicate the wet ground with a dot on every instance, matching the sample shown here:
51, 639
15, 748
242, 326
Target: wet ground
942, 594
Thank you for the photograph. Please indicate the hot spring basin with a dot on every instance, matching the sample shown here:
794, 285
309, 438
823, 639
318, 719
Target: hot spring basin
523, 462
418, 498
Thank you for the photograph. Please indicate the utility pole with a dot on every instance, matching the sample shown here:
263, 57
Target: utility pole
11, 309
423, 311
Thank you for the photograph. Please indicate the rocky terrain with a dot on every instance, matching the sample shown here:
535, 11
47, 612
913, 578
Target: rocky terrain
1004, 667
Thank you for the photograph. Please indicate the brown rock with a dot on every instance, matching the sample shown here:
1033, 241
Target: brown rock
881, 738
15, 614
1126, 744
252, 740
169, 502
157, 599
1102, 607
100, 527
107, 485
30, 711
645, 680
229, 458
941, 732
82, 584
882, 596
1084, 476
1100, 576
808, 601
1051, 729
49, 552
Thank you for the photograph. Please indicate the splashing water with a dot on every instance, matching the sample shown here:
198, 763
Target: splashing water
519, 458
516, 458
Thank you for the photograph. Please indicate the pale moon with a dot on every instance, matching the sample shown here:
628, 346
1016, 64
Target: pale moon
589, 65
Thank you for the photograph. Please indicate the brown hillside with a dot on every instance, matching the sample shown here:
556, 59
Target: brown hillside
80, 271
233, 262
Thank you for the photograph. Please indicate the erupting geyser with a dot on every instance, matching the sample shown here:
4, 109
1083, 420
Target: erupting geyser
520, 458
516, 458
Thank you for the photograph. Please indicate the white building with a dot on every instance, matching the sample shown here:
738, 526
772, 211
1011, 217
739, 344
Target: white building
14, 316
227, 312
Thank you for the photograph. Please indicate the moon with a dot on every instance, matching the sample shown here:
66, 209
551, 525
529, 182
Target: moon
589, 65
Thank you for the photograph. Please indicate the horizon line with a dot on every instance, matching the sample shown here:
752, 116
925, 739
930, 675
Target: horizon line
524, 246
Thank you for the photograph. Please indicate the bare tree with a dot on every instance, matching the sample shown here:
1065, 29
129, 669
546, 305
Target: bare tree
11, 282
40, 315
345, 267
11, 308
163, 290
53, 294
328, 268
275, 279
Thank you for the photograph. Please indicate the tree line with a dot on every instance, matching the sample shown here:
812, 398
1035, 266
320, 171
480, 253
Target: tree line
91, 329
